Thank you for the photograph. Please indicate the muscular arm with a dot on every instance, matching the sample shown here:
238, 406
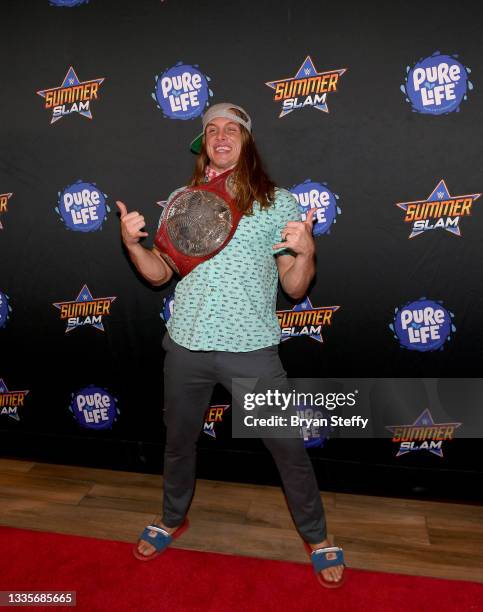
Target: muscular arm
149, 263
295, 274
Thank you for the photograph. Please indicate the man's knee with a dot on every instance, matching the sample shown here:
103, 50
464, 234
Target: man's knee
179, 448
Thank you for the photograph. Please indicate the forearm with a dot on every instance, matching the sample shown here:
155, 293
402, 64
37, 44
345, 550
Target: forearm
151, 266
296, 280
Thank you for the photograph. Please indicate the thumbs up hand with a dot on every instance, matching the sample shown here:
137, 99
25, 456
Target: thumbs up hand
131, 225
297, 236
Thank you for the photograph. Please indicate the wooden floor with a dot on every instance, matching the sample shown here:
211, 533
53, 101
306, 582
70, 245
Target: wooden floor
397, 535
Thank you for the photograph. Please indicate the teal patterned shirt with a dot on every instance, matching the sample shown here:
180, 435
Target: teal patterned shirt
228, 303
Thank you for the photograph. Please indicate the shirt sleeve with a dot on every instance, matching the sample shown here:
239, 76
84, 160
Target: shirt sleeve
286, 209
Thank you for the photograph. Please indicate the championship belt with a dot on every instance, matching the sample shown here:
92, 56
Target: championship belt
198, 223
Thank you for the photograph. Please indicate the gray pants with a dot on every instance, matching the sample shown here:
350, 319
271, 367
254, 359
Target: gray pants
189, 379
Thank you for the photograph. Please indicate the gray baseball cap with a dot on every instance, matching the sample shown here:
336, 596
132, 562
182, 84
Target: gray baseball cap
220, 110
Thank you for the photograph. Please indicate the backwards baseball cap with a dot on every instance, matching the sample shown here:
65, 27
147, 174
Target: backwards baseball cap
220, 110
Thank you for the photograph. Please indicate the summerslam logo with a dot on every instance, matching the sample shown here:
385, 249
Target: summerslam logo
305, 320
4, 198
307, 88
73, 96
423, 325
436, 85
439, 210
423, 434
11, 401
85, 310
213, 415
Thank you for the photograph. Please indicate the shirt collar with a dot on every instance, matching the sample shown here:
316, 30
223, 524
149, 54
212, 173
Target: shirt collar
210, 174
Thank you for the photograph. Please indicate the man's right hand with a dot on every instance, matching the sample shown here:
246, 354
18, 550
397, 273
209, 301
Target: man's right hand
131, 225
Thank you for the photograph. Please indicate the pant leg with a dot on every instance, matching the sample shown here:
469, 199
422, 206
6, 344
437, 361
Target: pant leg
300, 487
289, 454
188, 386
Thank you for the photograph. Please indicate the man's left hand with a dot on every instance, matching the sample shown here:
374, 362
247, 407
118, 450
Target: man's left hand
297, 236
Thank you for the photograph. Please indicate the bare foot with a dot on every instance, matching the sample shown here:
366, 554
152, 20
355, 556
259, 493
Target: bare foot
147, 549
331, 574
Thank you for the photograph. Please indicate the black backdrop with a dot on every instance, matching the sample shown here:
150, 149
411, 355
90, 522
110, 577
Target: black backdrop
371, 149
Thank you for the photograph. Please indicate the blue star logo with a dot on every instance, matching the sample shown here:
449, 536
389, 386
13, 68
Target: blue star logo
306, 71
439, 194
4, 198
424, 420
70, 80
84, 296
209, 426
304, 306
4, 404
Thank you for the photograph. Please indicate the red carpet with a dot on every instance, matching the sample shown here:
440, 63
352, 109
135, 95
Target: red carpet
107, 577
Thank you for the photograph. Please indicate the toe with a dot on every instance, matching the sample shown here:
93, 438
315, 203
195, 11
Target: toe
333, 574
327, 574
145, 549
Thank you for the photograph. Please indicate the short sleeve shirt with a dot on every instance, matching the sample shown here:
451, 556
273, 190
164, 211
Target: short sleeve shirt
228, 303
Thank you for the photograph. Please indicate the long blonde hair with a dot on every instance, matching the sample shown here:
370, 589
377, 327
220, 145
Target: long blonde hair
252, 182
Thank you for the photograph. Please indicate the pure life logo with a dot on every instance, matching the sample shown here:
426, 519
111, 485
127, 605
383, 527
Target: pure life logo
182, 92
94, 408
423, 325
437, 85
311, 194
82, 207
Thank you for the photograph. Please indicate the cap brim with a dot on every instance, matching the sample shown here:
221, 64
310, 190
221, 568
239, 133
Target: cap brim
195, 146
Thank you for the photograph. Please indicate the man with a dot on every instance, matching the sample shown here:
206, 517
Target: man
224, 326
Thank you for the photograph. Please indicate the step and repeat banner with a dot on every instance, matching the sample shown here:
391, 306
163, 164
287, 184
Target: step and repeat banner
371, 116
